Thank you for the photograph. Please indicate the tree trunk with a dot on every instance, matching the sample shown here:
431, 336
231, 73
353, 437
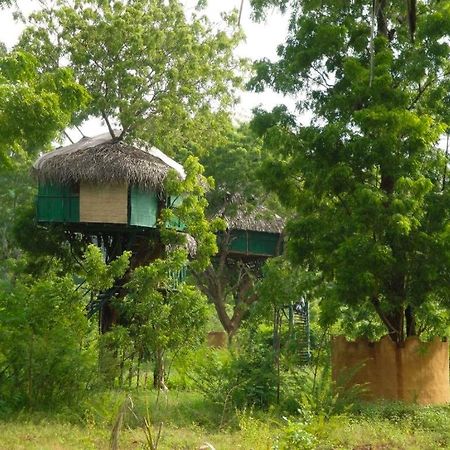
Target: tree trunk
394, 321
159, 371
277, 346
138, 374
108, 317
410, 321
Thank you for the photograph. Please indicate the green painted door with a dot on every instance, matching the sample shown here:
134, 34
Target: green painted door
143, 207
58, 203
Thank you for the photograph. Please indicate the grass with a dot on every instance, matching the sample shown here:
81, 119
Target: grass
190, 421
380, 434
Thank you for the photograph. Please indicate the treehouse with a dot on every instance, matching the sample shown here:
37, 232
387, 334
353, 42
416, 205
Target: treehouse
111, 192
102, 183
253, 234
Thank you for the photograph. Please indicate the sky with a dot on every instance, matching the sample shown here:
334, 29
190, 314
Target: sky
261, 41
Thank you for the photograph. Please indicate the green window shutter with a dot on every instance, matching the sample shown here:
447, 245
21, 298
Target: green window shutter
174, 201
58, 203
238, 241
262, 243
143, 207
253, 242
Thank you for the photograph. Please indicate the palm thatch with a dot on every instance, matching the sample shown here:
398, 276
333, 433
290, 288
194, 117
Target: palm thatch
104, 160
239, 215
257, 220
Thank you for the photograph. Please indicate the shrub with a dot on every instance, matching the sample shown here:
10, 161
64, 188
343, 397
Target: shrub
237, 380
45, 353
295, 435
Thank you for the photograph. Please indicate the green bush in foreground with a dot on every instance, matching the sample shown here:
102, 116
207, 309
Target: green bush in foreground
46, 357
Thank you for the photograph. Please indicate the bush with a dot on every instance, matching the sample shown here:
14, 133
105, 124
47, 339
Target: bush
295, 435
237, 380
45, 353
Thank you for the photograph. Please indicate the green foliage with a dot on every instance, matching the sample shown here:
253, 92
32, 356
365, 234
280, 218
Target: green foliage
46, 354
158, 315
35, 104
365, 177
158, 75
322, 397
238, 380
41, 249
99, 275
234, 166
192, 213
430, 418
16, 191
296, 435
283, 284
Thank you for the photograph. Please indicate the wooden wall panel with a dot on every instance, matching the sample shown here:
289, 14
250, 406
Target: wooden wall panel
104, 203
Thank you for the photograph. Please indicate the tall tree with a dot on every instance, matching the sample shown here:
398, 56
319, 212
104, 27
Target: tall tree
229, 281
366, 176
35, 107
151, 71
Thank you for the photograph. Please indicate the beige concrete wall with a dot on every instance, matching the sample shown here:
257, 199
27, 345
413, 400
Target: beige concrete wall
417, 372
104, 203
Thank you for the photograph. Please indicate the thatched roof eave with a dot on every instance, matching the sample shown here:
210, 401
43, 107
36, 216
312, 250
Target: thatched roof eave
269, 224
104, 160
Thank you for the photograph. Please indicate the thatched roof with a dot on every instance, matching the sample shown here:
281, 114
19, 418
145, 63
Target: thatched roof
102, 159
257, 220
239, 215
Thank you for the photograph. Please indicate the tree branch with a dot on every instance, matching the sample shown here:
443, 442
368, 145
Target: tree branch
420, 93
110, 129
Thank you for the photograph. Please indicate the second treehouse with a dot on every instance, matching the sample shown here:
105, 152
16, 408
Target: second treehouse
112, 193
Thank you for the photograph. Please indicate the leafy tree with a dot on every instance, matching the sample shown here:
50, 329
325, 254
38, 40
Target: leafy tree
150, 70
35, 105
366, 177
163, 315
192, 213
15, 191
99, 275
230, 284
233, 165
47, 346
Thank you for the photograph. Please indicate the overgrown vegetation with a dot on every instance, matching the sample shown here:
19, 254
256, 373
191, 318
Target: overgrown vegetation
359, 200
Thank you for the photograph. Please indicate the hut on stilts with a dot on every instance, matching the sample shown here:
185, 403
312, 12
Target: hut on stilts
112, 192
253, 234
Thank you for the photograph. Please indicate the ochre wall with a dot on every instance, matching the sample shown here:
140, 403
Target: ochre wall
417, 372
104, 203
